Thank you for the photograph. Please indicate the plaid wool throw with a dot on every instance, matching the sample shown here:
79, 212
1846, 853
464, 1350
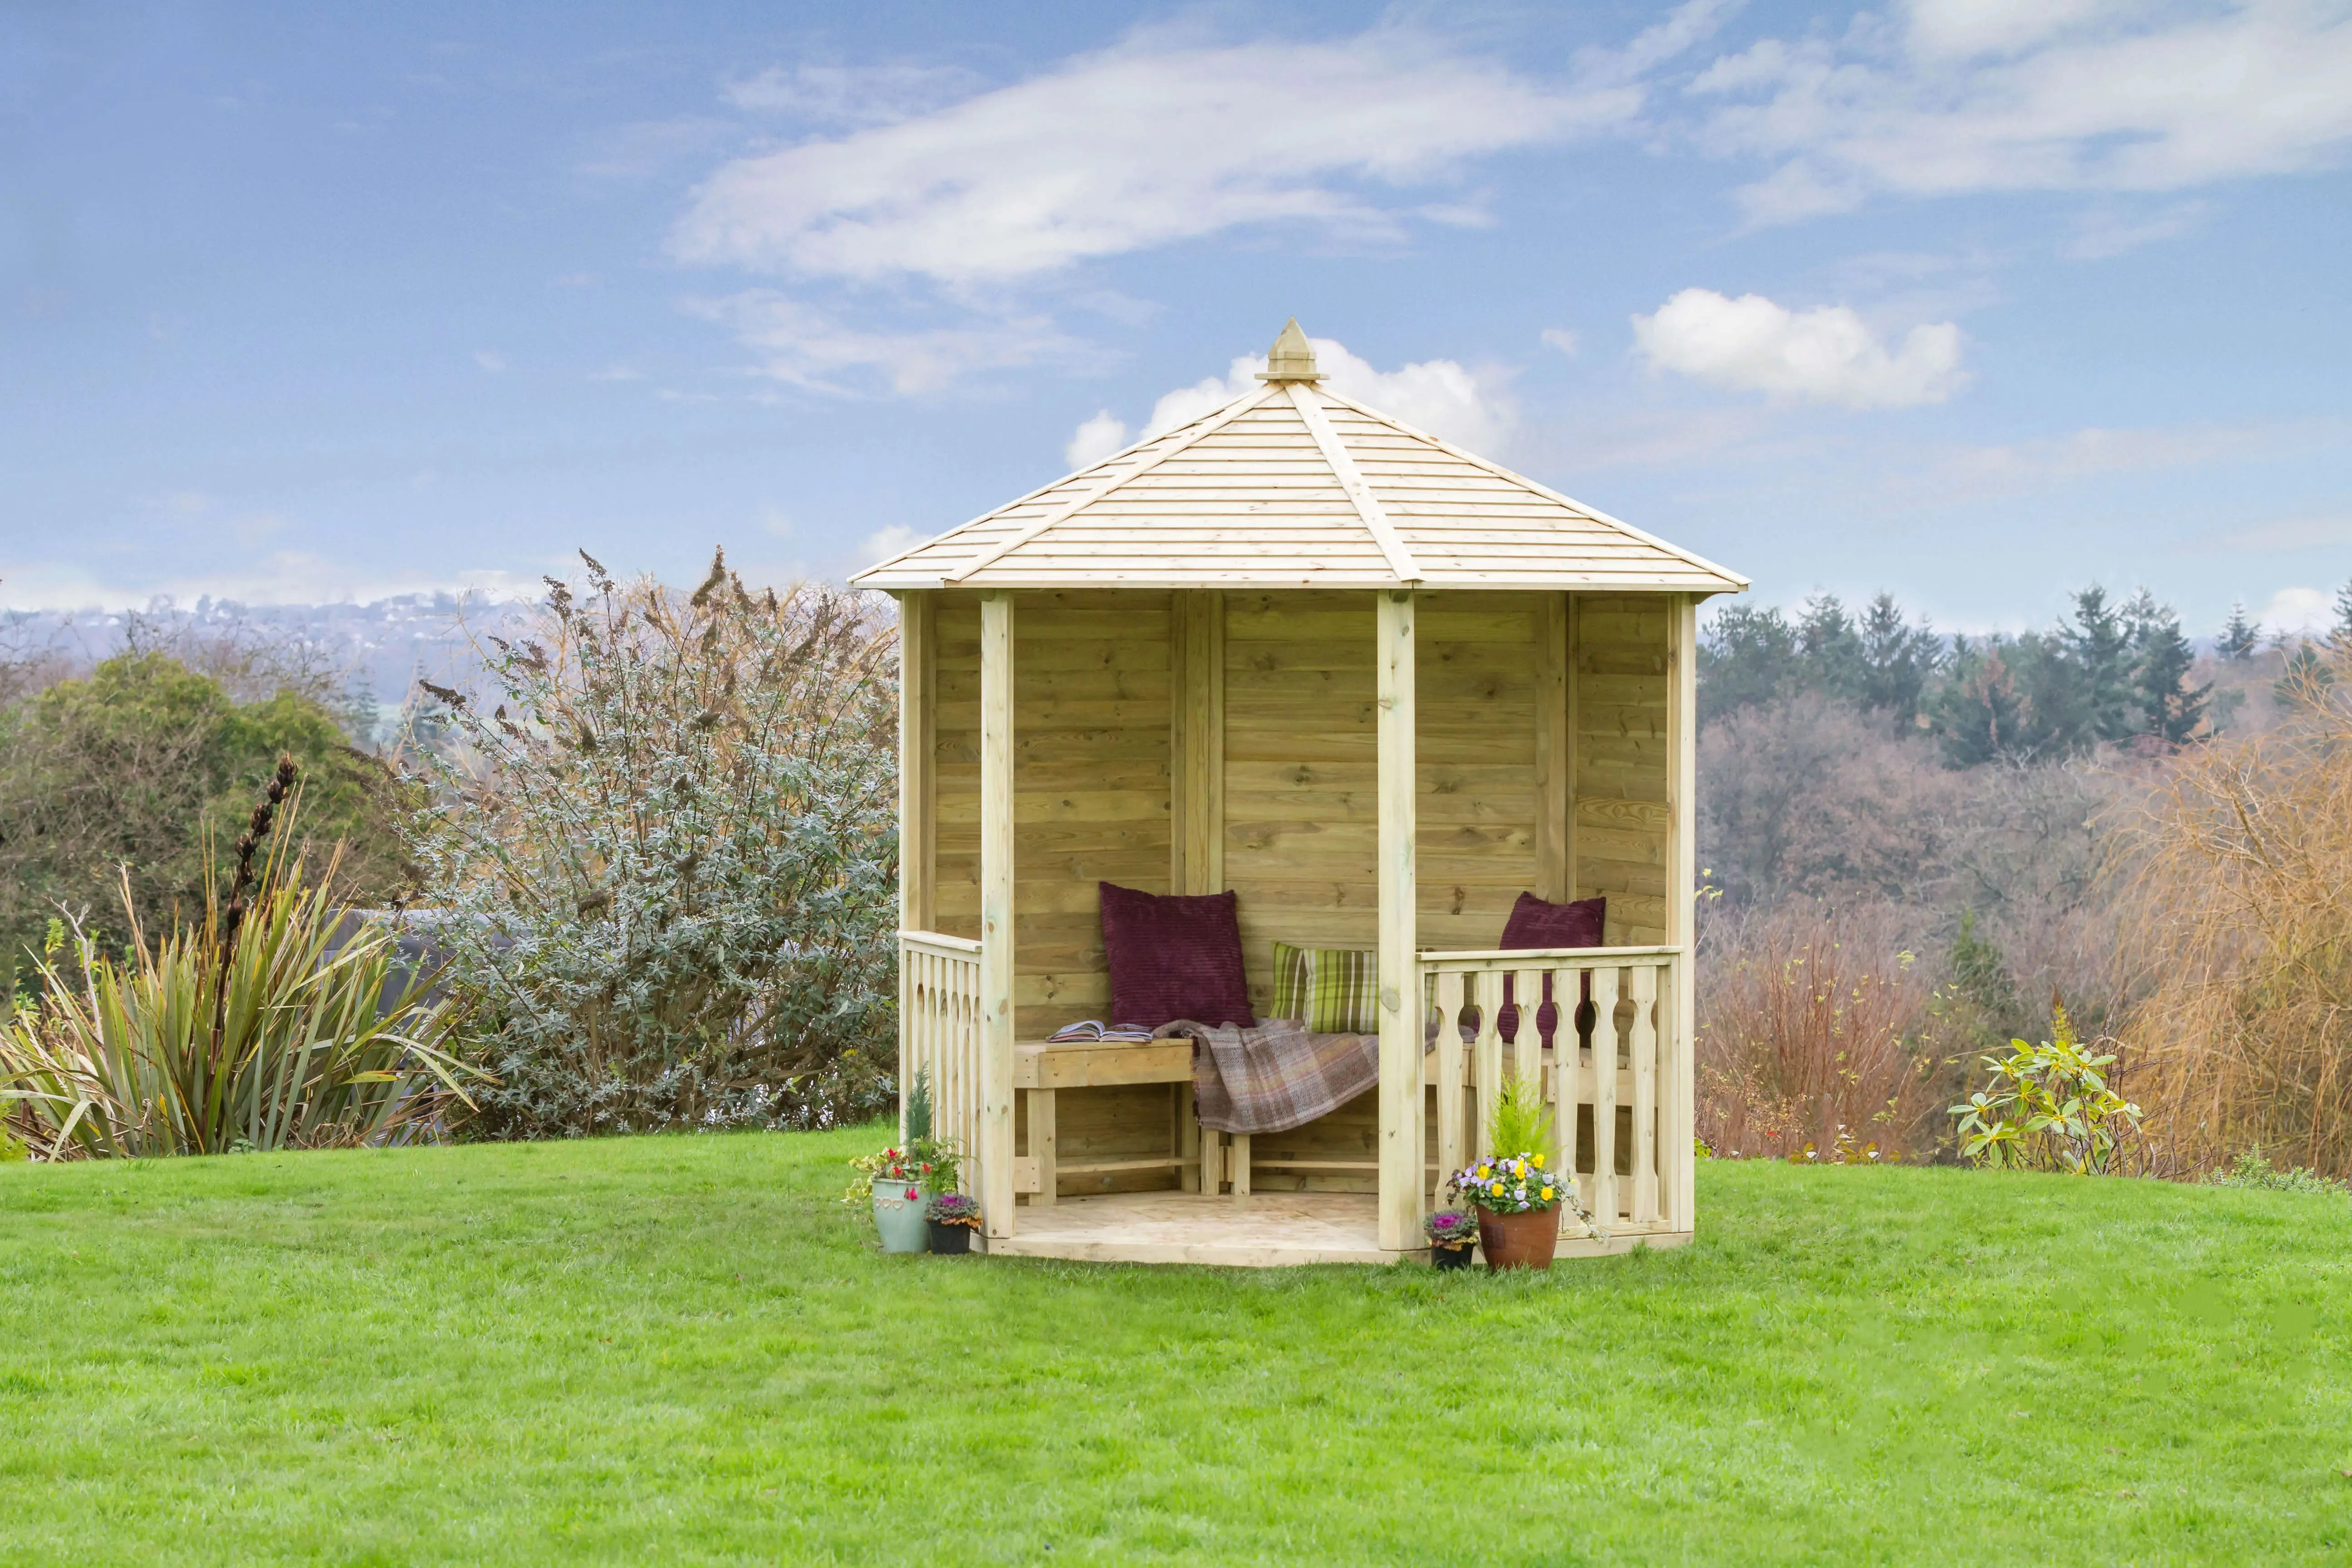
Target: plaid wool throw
1274, 1075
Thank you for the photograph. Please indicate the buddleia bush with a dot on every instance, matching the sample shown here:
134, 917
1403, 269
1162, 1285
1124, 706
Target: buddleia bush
663, 840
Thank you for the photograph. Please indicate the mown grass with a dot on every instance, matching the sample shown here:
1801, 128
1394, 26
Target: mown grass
682, 1350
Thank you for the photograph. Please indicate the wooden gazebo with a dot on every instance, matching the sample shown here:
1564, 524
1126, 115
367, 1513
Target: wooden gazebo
1378, 687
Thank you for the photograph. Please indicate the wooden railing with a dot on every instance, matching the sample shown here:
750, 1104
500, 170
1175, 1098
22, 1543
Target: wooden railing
1629, 1055
938, 1033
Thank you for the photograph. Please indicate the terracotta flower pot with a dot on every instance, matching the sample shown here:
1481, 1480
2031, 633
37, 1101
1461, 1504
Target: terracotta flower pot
1519, 1240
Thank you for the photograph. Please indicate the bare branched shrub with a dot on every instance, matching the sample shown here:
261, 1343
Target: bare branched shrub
1812, 1020
1810, 797
2236, 917
668, 858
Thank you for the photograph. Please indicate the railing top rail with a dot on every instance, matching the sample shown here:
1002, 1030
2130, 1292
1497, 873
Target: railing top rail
939, 941
1547, 958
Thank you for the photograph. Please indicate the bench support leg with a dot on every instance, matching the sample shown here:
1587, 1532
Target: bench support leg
1041, 1146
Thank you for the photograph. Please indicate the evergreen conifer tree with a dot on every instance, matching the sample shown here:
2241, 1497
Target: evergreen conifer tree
2099, 648
2170, 709
2239, 636
1897, 659
2340, 634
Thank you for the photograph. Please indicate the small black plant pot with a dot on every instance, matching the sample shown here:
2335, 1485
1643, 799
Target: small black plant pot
950, 1237
1449, 1257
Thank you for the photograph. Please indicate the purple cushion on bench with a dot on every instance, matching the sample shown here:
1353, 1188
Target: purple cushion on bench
1174, 956
1537, 923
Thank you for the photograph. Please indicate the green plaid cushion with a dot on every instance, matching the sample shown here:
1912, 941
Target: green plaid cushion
1333, 990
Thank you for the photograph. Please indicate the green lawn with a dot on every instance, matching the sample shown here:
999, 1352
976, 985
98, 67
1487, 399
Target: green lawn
682, 1350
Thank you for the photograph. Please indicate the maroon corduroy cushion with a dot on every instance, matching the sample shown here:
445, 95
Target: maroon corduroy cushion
1539, 924
1174, 956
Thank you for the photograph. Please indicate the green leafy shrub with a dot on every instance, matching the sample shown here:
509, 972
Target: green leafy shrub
668, 851
2049, 1107
143, 769
2252, 1170
250, 1031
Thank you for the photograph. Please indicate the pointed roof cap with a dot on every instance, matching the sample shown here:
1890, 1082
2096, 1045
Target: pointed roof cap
1293, 486
1292, 358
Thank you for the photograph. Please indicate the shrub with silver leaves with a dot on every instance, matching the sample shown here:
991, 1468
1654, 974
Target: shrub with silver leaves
670, 852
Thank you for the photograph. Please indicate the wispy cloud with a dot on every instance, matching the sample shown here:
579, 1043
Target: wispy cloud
1953, 96
1138, 146
2029, 465
807, 346
2281, 536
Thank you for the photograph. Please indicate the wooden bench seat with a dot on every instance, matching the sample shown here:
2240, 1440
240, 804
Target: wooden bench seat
1041, 1068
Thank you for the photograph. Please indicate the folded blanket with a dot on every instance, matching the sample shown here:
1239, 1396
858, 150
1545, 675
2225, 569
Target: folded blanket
1273, 1075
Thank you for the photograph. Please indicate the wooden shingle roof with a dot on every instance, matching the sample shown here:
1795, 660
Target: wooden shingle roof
1293, 486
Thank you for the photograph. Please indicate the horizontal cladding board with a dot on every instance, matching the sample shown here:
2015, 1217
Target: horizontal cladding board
1093, 806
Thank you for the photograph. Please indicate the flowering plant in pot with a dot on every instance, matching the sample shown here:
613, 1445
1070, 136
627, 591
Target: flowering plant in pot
954, 1218
1450, 1233
897, 1184
1517, 1193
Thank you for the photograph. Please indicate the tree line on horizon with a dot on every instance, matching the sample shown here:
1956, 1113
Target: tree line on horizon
2107, 673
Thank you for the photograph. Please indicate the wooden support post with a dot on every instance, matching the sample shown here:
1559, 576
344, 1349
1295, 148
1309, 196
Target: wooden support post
917, 773
1555, 757
1187, 1136
1678, 1088
1042, 1147
916, 864
1237, 1162
996, 929
1401, 1002
1196, 753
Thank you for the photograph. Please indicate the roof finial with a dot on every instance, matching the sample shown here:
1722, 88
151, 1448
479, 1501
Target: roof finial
1292, 358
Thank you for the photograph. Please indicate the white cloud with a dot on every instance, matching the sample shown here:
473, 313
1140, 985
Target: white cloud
884, 542
1560, 337
493, 362
1095, 439
1828, 354
1469, 408
2010, 95
2298, 610
1140, 145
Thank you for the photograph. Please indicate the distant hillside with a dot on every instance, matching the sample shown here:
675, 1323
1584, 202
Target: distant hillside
371, 654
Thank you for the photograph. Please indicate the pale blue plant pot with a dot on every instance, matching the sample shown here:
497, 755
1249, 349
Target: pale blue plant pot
902, 1220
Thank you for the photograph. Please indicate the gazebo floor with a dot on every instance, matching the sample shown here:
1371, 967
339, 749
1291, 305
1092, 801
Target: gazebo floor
1262, 1230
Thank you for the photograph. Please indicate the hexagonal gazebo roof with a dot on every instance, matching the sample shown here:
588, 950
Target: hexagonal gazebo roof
1293, 486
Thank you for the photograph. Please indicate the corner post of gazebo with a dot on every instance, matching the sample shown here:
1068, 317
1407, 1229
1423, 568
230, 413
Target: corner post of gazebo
1401, 1175
994, 1154
916, 794
1678, 1163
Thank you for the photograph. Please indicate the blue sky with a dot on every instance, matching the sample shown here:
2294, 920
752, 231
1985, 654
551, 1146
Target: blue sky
1977, 300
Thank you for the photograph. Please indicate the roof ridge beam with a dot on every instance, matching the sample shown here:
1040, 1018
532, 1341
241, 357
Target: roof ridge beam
1495, 468
1062, 513
1368, 505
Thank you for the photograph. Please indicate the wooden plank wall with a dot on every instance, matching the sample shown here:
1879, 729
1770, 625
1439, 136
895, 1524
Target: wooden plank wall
1619, 669
1090, 746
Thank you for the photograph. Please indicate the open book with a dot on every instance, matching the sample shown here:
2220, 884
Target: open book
1096, 1029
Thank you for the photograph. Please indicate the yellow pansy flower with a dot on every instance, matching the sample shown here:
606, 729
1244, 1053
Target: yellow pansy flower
1538, 1160
1547, 1193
